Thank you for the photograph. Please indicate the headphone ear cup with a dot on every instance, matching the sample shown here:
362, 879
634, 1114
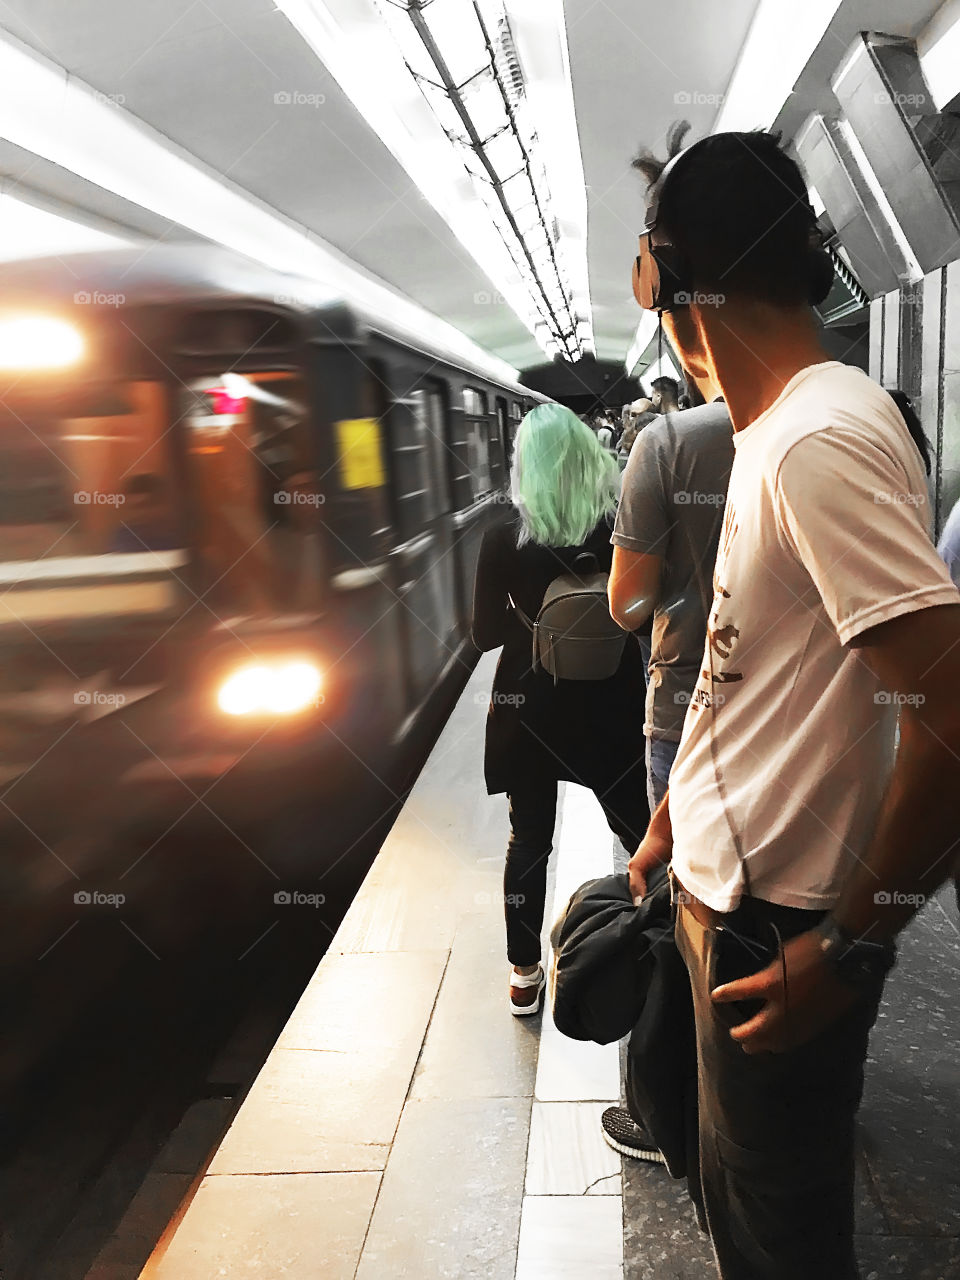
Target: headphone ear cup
675, 288
820, 276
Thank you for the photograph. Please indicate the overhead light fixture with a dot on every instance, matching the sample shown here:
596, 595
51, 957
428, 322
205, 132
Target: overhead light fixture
938, 47
54, 115
28, 231
641, 339
778, 46
491, 142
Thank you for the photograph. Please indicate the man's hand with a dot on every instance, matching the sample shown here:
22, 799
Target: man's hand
652, 851
815, 998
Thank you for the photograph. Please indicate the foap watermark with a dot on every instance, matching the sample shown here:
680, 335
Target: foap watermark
891, 498
296, 498
486, 298
885, 99
701, 299
500, 699
895, 898
697, 98
296, 98
698, 498
96, 698
511, 899
97, 498
291, 300
96, 298
111, 99
886, 699
97, 898
297, 898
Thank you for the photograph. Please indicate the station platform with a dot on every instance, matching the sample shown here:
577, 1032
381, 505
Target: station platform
405, 1124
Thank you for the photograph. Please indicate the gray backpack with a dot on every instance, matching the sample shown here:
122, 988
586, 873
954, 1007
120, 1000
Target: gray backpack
574, 636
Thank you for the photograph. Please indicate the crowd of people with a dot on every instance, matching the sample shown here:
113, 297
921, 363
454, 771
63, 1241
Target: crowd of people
786, 740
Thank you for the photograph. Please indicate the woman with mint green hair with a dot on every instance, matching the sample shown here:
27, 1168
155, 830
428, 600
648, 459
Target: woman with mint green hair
542, 731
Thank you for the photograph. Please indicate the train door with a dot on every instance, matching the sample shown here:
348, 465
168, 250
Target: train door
503, 431
422, 570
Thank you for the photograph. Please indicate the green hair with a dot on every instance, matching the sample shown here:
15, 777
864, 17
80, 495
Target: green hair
562, 481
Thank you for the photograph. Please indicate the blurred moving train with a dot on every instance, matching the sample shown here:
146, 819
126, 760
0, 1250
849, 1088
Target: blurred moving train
238, 528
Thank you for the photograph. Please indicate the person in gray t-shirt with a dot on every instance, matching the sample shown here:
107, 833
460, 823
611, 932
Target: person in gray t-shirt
665, 544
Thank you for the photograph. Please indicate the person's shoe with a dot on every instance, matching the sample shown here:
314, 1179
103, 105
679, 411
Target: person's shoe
525, 992
622, 1132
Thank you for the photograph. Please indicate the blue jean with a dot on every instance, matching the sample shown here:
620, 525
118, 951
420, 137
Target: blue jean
661, 753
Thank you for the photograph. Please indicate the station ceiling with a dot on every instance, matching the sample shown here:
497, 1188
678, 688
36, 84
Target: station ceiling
205, 74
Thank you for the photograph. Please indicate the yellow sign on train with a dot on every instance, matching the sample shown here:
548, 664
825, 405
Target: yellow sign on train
360, 452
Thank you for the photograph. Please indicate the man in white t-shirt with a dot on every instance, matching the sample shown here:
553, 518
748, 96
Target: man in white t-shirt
799, 847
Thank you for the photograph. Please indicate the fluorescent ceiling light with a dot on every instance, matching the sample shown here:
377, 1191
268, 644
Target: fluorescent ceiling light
30, 232
641, 340
938, 46
779, 44
371, 48
914, 270
58, 117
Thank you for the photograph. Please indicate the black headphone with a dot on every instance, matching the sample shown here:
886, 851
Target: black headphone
662, 278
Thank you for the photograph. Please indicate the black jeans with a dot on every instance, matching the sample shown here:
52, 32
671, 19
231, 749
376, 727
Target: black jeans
533, 816
776, 1129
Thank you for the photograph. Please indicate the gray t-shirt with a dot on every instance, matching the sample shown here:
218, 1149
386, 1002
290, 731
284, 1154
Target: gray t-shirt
671, 505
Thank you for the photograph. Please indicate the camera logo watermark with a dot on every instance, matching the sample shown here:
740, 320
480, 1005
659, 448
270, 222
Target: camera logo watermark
889, 498
296, 498
696, 98
500, 699
886, 699
510, 899
295, 98
699, 697
700, 299
94, 698
95, 498
486, 298
97, 898
296, 898
97, 299
111, 99
698, 498
885, 99
884, 898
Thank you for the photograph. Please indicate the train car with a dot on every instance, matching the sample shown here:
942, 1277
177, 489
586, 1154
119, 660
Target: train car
238, 528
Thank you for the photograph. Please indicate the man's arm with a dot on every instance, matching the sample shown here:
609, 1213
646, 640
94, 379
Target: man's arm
915, 656
655, 847
634, 587
917, 838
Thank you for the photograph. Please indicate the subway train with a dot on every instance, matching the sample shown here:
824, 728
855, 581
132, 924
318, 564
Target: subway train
238, 528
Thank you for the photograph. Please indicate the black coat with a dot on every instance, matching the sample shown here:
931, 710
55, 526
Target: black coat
586, 731
617, 972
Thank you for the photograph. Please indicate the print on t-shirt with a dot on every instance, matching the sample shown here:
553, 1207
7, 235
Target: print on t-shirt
722, 632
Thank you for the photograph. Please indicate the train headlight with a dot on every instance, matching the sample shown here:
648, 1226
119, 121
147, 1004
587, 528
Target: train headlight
280, 688
38, 342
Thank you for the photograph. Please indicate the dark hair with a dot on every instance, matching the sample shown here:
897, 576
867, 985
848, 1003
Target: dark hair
909, 415
737, 209
666, 384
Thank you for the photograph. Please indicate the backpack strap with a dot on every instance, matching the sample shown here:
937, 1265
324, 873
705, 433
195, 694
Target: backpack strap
531, 626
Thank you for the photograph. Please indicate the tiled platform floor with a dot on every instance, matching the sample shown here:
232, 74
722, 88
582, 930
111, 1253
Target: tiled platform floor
406, 1125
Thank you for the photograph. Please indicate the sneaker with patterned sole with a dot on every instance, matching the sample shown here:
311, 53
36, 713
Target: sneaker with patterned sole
525, 992
622, 1132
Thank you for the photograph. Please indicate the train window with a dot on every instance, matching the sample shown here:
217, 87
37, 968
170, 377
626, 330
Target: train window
243, 329
477, 432
95, 484
256, 486
413, 492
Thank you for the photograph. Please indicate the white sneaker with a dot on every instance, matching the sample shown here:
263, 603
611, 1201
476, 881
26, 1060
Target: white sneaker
525, 992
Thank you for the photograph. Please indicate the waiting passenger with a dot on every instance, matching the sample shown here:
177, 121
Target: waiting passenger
796, 861
541, 731
666, 394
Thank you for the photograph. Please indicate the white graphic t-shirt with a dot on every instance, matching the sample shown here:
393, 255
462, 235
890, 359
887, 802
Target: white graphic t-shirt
788, 741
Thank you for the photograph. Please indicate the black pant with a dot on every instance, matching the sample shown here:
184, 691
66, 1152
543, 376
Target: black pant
776, 1129
533, 816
